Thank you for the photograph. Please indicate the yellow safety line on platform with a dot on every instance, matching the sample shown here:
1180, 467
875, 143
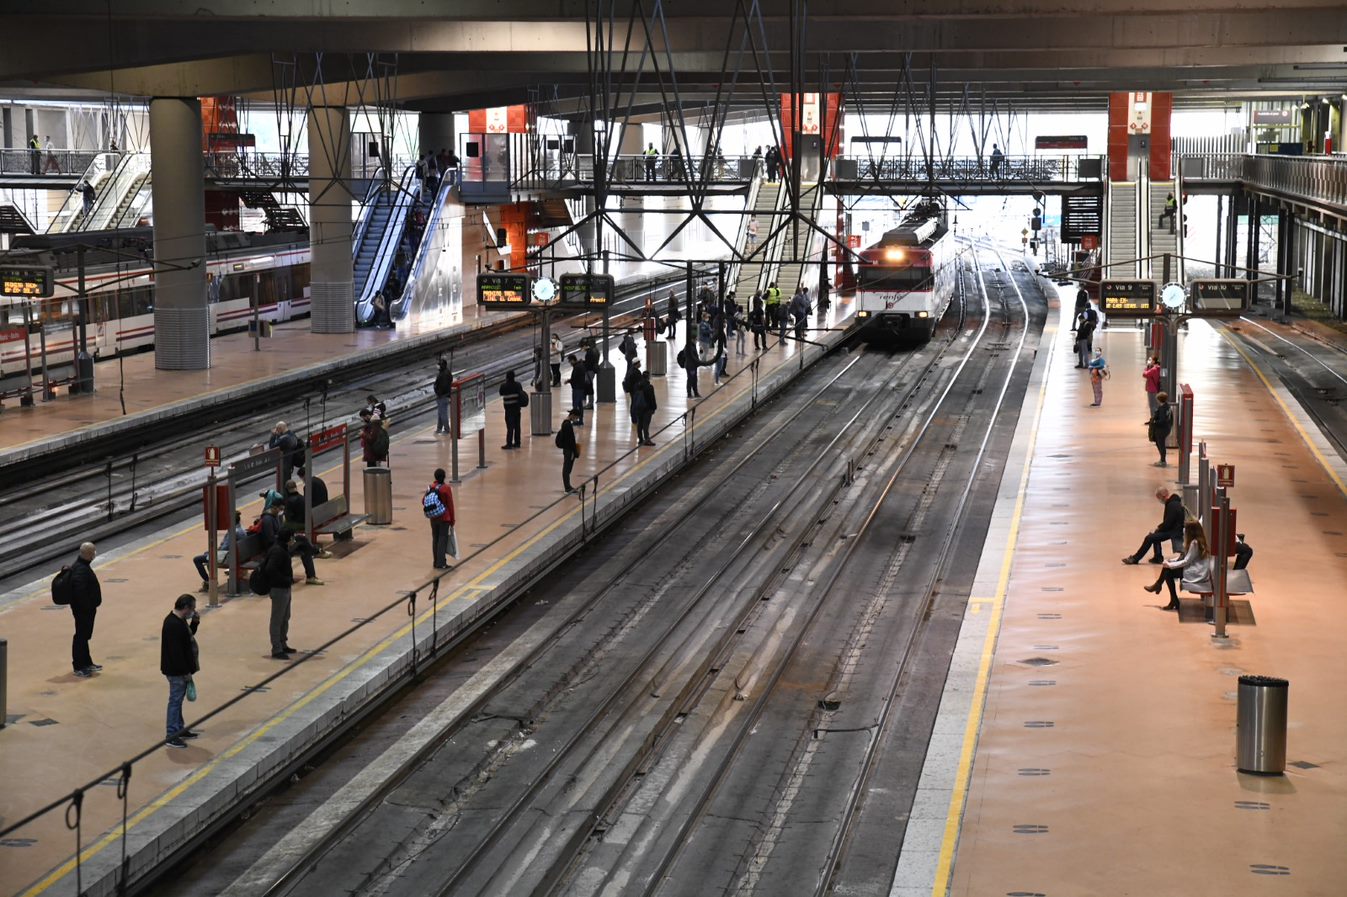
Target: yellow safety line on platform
1314, 449
476, 584
964, 772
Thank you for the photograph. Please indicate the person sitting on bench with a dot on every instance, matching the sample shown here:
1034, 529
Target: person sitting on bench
1194, 567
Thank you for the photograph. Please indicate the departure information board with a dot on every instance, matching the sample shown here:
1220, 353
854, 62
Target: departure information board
1225, 296
503, 292
580, 291
1127, 298
28, 282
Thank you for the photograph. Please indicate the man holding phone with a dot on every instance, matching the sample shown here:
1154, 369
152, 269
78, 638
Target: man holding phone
178, 661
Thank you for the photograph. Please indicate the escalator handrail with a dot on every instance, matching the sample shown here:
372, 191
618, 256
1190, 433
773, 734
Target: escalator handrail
362, 220
408, 190
418, 261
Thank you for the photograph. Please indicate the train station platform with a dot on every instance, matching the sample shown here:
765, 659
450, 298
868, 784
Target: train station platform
292, 354
1086, 738
515, 523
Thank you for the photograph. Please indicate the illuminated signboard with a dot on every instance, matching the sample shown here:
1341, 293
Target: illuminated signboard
1123, 298
28, 283
1227, 296
585, 290
503, 291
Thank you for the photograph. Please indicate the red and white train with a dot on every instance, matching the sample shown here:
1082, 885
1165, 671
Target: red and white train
904, 283
120, 289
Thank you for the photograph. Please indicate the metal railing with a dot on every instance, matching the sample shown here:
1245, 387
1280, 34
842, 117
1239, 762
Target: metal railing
1032, 169
70, 163
1320, 180
633, 170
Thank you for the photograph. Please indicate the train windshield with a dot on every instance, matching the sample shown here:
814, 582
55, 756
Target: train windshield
884, 278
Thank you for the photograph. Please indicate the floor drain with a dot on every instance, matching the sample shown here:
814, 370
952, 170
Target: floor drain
1267, 869
1304, 764
1252, 805
1039, 724
1035, 771
1040, 683
1023, 829
1049, 616
1038, 662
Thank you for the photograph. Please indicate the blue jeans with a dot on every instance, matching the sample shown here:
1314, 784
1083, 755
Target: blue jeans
442, 407
177, 691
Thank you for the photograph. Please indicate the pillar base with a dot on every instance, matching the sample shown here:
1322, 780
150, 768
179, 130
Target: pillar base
331, 307
181, 338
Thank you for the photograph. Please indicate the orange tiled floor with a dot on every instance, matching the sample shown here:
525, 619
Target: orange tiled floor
1142, 796
98, 722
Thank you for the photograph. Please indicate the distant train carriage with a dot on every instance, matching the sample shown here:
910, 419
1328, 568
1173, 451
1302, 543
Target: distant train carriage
905, 281
120, 293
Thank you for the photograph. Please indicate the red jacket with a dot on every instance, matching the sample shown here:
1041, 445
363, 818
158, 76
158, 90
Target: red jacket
1152, 377
446, 496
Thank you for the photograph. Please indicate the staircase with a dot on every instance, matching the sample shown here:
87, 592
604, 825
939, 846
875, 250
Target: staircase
750, 273
1163, 238
380, 213
280, 219
1122, 245
128, 207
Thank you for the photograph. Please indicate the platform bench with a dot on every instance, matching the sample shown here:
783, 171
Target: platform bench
331, 518
250, 553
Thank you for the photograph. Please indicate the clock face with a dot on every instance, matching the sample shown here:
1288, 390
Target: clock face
544, 290
1173, 296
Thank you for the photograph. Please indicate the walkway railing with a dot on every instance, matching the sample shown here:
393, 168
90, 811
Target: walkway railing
633, 170
70, 163
963, 169
1316, 180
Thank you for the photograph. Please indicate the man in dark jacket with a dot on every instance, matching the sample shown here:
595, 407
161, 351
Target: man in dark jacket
591, 371
570, 449
280, 577
1170, 528
314, 486
296, 524
177, 661
512, 397
292, 450
645, 404
578, 383
86, 596
444, 384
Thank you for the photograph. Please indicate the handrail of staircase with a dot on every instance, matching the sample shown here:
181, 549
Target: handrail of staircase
409, 187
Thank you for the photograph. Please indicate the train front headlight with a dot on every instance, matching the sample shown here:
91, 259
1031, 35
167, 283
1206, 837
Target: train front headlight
894, 255
862, 314
923, 314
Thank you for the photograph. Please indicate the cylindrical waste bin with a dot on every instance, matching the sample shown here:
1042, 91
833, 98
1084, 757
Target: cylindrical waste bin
378, 496
1260, 736
657, 358
540, 413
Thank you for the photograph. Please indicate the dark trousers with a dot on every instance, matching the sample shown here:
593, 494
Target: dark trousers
1153, 542
649, 170
79, 645
280, 619
643, 426
301, 547
1160, 447
512, 427
1168, 576
556, 374
578, 401
202, 562
567, 465
692, 383
759, 338
439, 543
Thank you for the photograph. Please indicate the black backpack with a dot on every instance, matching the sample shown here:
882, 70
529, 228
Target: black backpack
257, 581
63, 587
380, 442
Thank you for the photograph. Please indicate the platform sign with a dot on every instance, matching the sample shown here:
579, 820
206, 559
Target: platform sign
332, 437
1128, 298
580, 291
27, 282
1061, 141
212, 456
503, 292
1225, 475
1225, 296
468, 409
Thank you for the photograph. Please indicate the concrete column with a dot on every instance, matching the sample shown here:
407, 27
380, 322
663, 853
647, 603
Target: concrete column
332, 303
181, 315
435, 131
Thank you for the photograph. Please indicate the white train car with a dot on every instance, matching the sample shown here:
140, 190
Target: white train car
905, 281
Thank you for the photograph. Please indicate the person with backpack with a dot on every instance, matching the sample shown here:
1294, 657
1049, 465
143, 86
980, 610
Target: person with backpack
277, 577
438, 506
1159, 425
273, 526
77, 587
570, 448
627, 347
514, 399
178, 663
444, 387
292, 450
1098, 368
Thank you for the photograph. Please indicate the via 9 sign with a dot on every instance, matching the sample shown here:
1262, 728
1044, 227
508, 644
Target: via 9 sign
26, 283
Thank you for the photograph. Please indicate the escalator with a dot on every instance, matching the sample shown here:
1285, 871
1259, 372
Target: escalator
779, 261
429, 286
378, 238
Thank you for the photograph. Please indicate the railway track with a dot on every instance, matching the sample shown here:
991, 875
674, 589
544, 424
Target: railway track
665, 652
44, 517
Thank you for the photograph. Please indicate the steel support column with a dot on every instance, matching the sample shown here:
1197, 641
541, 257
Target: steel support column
181, 313
331, 297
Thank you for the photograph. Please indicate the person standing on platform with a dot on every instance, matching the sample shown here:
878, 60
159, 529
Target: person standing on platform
799, 309
738, 327
1098, 373
555, 359
514, 399
178, 663
1084, 338
444, 387
578, 381
773, 299
651, 162
1151, 374
627, 347
591, 370
997, 158
570, 448
52, 161
280, 577
720, 343
645, 390
757, 322
1170, 528
1082, 303
1158, 427
292, 450
825, 287
438, 505
232, 537
85, 597
35, 154
631, 385
373, 441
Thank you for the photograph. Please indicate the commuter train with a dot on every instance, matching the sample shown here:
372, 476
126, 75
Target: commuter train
119, 282
905, 281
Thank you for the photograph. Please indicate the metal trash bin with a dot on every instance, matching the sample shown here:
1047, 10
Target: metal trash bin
378, 496
657, 358
540, 413
1260, 734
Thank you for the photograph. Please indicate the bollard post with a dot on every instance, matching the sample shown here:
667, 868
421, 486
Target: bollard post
481, 449
1219, 600
454, 414
1204, 486
212, 559
4, 682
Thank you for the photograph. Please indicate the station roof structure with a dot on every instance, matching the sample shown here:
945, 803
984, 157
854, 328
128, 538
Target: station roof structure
1038, 54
